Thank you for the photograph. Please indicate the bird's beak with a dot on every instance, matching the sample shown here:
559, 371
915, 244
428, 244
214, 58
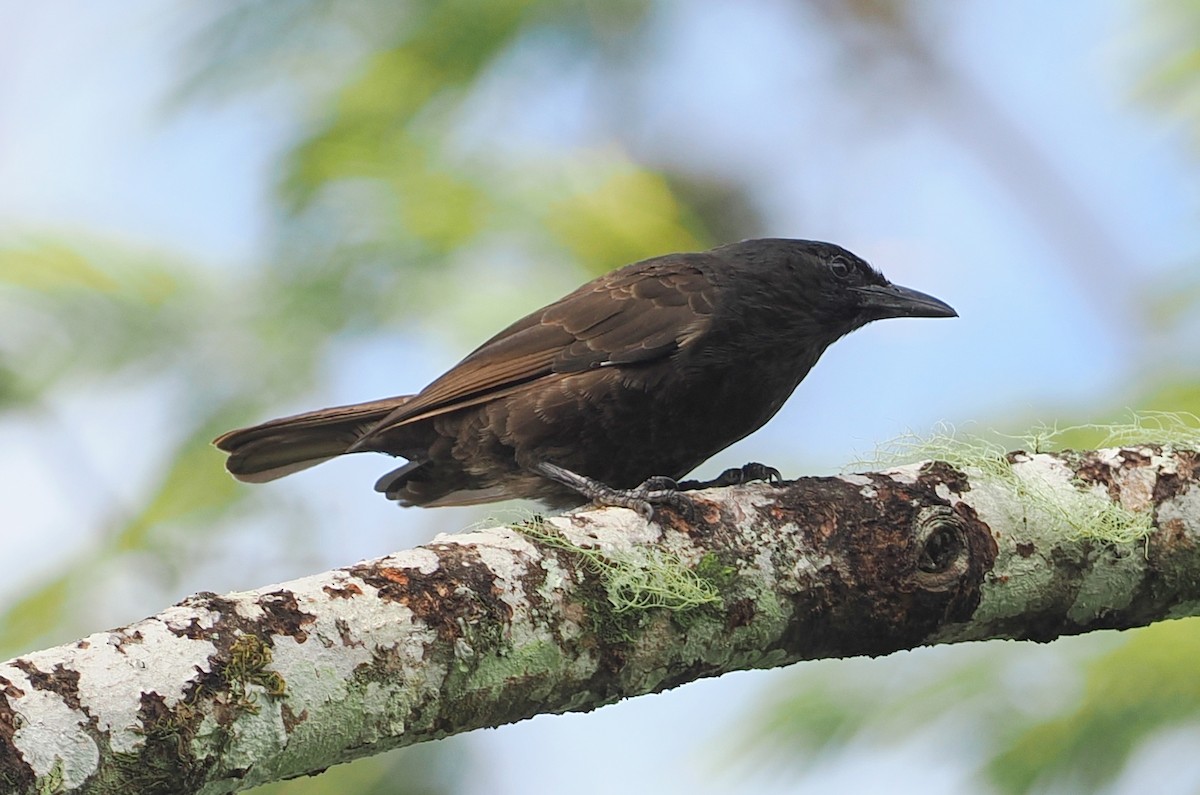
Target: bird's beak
892, 300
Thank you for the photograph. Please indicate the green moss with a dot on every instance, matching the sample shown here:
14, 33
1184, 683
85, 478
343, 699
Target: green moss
249, 656
158, 766
640, 578
52, 783
611, 627
1085, 513
712, 570
148, 771
496, 671
1168, 429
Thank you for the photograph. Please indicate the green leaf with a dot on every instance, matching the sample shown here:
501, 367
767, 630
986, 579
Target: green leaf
195, 486
620, 213
40, 612
52, 266
1143, 686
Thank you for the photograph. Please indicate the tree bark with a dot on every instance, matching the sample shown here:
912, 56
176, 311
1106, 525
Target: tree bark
221, 693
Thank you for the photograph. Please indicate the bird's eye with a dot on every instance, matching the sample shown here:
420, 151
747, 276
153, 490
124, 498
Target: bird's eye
840, 268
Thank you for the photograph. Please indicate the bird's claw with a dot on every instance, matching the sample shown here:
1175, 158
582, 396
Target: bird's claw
736, 476
661, 491
756, 471
642, 498
646, 496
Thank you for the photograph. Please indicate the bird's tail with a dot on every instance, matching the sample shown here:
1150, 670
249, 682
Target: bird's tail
289, 444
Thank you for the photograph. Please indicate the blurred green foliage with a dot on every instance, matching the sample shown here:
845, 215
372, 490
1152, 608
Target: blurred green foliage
1172, 32
1133, 692
66, 314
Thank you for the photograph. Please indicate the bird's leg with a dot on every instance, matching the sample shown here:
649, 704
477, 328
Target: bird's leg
642, 498
735, 476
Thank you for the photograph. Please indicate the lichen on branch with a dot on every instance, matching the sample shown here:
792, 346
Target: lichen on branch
223, 692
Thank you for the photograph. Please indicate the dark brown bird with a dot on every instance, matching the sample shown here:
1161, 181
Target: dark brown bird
613, 391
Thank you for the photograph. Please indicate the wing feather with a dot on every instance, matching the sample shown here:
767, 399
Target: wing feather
640, 313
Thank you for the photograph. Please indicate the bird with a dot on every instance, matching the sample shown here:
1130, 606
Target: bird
612, 393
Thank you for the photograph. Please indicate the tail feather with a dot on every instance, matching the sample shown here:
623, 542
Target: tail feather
289, 444
426, 483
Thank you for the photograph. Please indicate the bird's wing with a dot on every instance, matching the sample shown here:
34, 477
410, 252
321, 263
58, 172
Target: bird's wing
636, 314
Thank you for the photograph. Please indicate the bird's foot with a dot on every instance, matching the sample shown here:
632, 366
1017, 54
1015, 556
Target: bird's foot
642, 498
736, 476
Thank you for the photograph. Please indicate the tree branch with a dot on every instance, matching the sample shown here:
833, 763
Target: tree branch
221, 693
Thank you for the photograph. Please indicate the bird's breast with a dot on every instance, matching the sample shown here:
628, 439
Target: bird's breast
626, 423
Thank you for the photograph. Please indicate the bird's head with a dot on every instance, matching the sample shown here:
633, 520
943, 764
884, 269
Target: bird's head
832, 286
849, 282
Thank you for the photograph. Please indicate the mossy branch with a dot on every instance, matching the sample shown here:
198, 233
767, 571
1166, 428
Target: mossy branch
220, 693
